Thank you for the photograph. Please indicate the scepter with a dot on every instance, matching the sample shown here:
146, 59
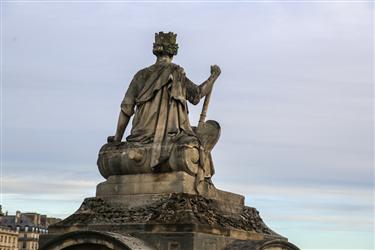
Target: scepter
202, 117
203, 114
208, 132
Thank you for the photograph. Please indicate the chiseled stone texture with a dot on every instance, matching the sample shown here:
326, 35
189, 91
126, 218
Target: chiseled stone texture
178, 221
176, 209
165, 211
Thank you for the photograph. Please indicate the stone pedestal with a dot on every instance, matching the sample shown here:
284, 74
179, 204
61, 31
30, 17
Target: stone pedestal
144, 189
162, 212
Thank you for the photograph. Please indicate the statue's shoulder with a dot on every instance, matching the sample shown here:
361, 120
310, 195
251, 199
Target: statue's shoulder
147, 71
176, 66
142, 74
143, 71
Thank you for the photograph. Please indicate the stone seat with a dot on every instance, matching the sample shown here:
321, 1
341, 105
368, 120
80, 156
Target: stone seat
134, 158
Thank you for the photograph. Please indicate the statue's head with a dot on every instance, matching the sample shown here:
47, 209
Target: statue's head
165, 44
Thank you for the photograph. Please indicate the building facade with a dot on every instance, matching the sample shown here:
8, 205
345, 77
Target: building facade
8, 239
27, 227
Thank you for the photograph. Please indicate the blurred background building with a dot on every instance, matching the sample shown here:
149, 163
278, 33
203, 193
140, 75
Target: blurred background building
21, 231
8, 239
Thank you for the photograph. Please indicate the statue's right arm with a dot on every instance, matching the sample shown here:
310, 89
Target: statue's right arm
127, 110
122, 123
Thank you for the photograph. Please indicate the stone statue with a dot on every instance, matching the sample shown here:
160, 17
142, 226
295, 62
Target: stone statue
158, 193
161, 138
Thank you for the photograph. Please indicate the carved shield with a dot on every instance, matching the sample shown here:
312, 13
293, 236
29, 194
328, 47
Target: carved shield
208, 134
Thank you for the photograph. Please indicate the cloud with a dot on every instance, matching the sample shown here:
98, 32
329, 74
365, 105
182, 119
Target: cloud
52, 185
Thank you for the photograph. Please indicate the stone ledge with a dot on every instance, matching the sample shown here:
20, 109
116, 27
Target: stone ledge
189, 221
177, 210
143, 189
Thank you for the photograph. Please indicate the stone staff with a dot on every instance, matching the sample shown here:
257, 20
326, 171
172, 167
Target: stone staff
208, 133
202, 117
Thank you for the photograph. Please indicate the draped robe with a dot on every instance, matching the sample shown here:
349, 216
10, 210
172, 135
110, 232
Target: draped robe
157, 96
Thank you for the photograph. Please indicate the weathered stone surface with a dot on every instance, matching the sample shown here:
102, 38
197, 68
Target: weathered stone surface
176, 209
161, 138
186, 221
134, 158
143, 189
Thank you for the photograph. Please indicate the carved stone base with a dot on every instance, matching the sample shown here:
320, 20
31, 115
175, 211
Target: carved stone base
175, 221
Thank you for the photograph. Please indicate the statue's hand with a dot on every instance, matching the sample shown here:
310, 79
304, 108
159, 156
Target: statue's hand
111, 139
215, 71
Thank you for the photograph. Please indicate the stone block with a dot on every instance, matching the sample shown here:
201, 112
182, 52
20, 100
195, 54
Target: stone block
143, 189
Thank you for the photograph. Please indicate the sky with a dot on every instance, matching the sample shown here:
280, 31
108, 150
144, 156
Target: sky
295, 101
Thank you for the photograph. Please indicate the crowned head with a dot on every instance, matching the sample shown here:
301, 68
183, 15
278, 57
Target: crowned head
165, 44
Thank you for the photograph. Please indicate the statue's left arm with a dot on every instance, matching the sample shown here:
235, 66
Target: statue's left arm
207, 85
195, 93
